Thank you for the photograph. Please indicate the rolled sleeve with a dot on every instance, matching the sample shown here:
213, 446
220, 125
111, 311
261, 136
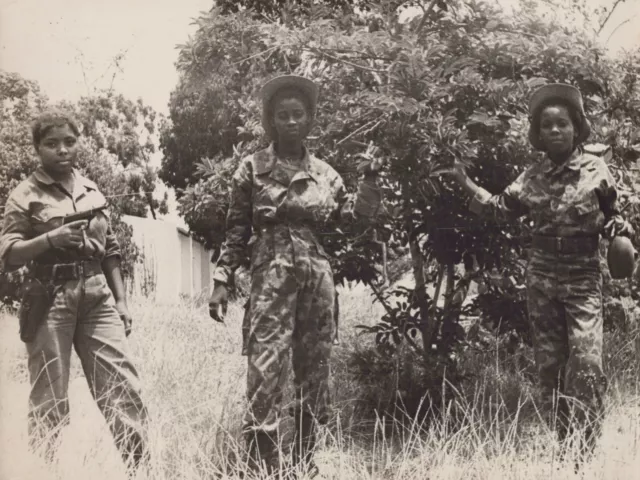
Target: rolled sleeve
111, 245
507, 205
15, 227
368, 200
367, 204
221, 275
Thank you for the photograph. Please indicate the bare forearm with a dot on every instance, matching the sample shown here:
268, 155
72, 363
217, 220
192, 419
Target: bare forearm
468, 185
24, 251
111, 267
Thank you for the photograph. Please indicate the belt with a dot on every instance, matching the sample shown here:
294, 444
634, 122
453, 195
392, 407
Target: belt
566, 244
68, 271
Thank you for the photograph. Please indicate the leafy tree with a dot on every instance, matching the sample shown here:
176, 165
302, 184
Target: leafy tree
298, 10
450, 83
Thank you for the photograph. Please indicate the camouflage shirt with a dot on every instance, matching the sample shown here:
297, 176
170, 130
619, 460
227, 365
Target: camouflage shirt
576, 198
290, 201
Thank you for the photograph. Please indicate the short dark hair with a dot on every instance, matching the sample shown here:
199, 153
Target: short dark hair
50, 119
574, 114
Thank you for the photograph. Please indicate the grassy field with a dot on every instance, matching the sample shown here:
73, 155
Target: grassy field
194, 384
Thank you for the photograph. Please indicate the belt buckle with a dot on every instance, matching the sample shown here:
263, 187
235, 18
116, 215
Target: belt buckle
559, 244
79, 269
54, 272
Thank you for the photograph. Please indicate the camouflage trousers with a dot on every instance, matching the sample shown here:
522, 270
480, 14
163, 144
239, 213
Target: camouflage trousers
565, 313
290, 316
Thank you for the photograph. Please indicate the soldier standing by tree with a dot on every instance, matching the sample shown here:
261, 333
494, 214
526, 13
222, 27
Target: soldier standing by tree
282, 196
571, 198
75, 296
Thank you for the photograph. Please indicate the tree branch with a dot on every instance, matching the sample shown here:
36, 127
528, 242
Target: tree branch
606, 20
616, 29
346, 62
425, 16
357, 131
258, 54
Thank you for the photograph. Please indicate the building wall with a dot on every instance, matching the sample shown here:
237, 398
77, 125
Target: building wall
173, 264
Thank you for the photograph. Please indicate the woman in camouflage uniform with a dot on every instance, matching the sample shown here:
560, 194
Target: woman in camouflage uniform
571, 197
280, 198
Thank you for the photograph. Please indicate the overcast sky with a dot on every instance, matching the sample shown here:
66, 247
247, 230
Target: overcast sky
68, 46
53, 41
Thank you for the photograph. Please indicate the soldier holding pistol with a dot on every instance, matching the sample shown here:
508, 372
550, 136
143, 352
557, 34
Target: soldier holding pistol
74, 296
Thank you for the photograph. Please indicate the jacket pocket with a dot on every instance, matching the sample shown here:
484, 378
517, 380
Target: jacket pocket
588, 205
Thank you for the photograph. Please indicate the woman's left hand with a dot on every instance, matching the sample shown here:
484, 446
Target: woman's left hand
125, 316
618, 227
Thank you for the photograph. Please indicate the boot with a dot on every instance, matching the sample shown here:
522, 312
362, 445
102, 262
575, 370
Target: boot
132, 448
262, 451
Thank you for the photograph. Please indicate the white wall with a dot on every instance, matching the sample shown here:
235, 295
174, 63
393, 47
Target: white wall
173, 263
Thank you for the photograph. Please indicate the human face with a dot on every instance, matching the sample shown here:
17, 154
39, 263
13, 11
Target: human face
58, 150
291, 119
557, 131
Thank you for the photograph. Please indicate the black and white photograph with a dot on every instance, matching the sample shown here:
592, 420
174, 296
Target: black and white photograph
319, 239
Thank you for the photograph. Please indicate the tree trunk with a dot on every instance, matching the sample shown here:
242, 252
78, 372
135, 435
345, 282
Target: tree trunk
448, 294
449, 317
417, 263
431, 327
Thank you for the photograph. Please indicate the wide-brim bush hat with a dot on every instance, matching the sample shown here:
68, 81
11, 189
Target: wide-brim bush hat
546, 95
307, 87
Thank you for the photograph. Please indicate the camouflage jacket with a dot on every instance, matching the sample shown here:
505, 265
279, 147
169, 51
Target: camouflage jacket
287, 203
577, 198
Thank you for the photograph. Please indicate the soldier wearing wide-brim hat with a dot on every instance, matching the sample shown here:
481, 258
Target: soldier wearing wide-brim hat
307, 88
557, 94
281, 198
571, 198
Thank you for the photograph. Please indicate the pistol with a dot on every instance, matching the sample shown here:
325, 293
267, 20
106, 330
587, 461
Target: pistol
83, 215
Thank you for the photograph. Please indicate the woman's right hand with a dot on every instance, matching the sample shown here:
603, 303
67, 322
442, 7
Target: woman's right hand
68, 236
456, 172
218, 301
459, 171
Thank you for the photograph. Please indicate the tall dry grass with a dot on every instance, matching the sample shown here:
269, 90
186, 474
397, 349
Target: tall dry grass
194, 385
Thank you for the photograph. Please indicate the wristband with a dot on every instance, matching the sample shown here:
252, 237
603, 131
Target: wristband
49, 241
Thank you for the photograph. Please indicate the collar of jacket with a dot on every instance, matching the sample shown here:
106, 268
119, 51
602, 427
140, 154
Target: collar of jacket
266, 161
43, 177
573, 163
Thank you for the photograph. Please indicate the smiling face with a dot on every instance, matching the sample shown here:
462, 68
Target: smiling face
291, 118
58, 149
557, 130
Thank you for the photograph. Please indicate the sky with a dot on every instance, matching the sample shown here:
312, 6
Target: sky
69, 46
